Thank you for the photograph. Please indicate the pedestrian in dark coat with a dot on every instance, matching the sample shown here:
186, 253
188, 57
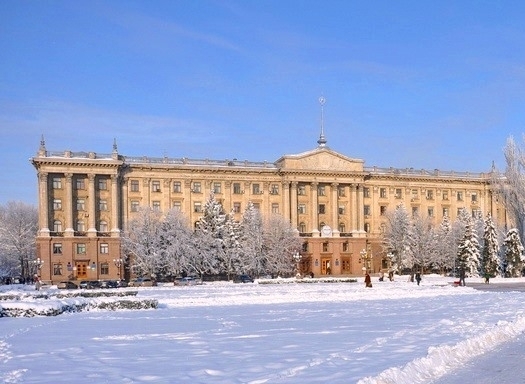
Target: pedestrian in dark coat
368, 281
418, 278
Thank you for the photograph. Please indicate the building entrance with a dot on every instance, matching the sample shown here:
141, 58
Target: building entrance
81, 269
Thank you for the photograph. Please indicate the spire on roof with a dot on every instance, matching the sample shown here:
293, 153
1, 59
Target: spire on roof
322, 139
42, 149
114, 154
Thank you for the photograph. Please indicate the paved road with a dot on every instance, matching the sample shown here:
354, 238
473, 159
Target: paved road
504, 365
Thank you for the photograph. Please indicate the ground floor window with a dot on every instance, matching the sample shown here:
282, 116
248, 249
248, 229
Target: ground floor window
57, 269
104, 269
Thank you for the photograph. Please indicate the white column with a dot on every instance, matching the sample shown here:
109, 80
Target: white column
68, 206
115, 230
335, 210
315, 209
293, 204
92, 209
43, 203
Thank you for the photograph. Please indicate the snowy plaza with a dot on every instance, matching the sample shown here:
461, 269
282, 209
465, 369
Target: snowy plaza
395, 332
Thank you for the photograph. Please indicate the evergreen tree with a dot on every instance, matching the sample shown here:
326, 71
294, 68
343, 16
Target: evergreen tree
231, 261
490, 263
468, 250
446, 250
514, 258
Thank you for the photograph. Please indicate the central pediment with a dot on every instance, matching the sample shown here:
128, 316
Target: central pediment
320, 159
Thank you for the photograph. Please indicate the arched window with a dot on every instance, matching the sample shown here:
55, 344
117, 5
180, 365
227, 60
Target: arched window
302, 227
80, 226
57, 226
103, 226
321, 225
342, 227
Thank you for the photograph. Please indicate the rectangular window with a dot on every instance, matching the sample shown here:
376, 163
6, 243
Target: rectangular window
155, 186
196, 187
474, 197
80, 184
177, 187
430, 194
57, 248
217, 188
102, 205
382, 210
256, 189
275, 208
102, 184
237, 188
135, 186
104, 268
257, 206
197, 207
301, 190
415, 211
341, 191
366, 192
382, 193
399, 193
236, 207
367, 210
57, 204
321, 190
367, 227
415, 194
445, 195
341, 209
81, 249
301, 208
81, 204
345, 247
322, 209
57, 269
430, 212
103, 226
460, 196
104, 248
445, 212
177, 206
274, 189
134, 206
156, 205
57, 183
325, 247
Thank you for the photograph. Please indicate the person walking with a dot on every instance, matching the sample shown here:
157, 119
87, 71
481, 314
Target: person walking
418, 277
368, 281
462, 277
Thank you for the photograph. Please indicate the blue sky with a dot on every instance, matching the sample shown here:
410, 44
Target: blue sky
423, 84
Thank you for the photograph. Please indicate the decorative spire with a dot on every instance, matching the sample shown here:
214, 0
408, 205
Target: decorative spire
322, 139
114, 154
42, 150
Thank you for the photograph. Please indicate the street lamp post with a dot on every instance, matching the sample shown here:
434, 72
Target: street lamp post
118, 263
298, 257
366, 257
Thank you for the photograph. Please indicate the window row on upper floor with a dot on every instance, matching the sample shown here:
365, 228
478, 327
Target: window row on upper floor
428, 194
80, 182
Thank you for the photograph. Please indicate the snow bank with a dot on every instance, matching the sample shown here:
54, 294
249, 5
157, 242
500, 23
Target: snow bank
442, 359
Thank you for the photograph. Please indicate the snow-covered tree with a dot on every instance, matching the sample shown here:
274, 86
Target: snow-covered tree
176, 243
396, 237
231, 262
208, 239
422, 242
446, 250
514, 258
510, 186
281, 241
252, 241
142, 242
18, 229
490, 263
468, 250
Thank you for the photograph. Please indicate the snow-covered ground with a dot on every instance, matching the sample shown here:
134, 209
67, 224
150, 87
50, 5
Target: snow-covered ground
396, 332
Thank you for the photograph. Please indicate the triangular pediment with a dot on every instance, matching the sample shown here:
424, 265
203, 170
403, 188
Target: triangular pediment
320, 159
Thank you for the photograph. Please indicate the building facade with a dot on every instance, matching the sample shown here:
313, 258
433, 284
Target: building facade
337, 204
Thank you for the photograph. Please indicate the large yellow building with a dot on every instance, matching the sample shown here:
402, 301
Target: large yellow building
337, 204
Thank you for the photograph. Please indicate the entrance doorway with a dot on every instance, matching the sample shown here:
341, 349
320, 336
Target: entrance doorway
326, 268
81, 269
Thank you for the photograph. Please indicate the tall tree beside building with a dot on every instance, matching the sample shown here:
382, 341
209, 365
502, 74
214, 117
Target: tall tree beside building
281, 241
422, 243
490, 261
142, 243
514, 258
231, 262
396, 238
446, 250
18, 228
253, 260
510, 186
